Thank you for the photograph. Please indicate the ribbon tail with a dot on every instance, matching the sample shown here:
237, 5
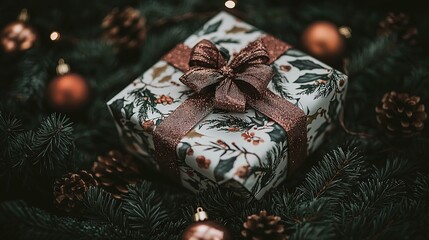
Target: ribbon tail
170, 131
291, 118
229, 97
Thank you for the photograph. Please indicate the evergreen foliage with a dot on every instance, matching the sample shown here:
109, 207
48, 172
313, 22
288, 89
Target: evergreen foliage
373, 188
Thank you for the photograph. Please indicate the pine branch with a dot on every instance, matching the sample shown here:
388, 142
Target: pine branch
334, 176
277, 83
370, 54
373, 194
143, 208
421, 188
309, 230
10, 127
220, 202
313, 220
376, 224
103, 205
171, 230
395, 168
18, 220
53, 145
32, 80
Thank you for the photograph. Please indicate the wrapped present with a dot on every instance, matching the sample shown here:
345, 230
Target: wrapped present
232, 106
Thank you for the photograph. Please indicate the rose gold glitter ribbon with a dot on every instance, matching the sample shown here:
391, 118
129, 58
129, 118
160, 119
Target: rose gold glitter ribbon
229, 86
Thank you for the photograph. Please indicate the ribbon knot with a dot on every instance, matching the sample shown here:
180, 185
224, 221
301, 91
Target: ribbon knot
245, 77
227, 72
242, 81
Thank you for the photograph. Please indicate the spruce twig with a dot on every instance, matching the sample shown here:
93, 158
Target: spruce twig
334, 176
53, 145
143, 208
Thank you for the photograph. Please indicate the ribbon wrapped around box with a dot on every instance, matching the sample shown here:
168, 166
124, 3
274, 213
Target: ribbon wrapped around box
230, 106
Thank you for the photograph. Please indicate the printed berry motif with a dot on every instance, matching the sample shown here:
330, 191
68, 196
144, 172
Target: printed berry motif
148, 126
242, 171
246, 152
250, 137
190, 152
203, 162
164, 100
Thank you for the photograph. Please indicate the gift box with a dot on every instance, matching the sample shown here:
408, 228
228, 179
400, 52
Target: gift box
232, 106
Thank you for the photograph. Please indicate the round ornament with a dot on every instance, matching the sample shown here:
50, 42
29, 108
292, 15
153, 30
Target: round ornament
323, 40
18, 36
68, 91
204, 229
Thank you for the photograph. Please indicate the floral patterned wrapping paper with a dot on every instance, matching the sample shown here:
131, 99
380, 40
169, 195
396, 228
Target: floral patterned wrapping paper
243, 151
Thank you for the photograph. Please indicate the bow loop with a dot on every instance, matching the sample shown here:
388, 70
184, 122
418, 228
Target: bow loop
205, 54
246, 76
254, 53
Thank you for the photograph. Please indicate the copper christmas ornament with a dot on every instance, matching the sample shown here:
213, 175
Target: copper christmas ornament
68, 92
204, 229
18, 36
323, 40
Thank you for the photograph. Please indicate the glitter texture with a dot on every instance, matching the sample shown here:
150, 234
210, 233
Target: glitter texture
228, 86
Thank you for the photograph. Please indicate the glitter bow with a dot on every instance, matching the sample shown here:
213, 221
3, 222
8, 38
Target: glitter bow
229, 86
246, 76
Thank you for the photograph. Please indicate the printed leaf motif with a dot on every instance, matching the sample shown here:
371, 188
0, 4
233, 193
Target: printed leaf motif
225, 53
223, 167
294, 53
129, 110
224, 123
165, 79
332, 109
305, 64
194, 134
225, 40
158, 71
277, 81
323, 87
183, 149
212, 27
308, 89
311, 77
237, 29
278, 134
145, 99
116, 107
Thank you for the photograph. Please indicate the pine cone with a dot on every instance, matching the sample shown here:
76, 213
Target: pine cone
262, 227
115, 171
125, 28
400, 114
399, 23
69, 190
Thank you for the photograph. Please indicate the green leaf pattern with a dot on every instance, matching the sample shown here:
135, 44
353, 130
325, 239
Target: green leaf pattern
247, 151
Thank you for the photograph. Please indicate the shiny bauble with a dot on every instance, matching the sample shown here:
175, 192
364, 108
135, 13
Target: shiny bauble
68, 92
204, 229
323, 40
18, 36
